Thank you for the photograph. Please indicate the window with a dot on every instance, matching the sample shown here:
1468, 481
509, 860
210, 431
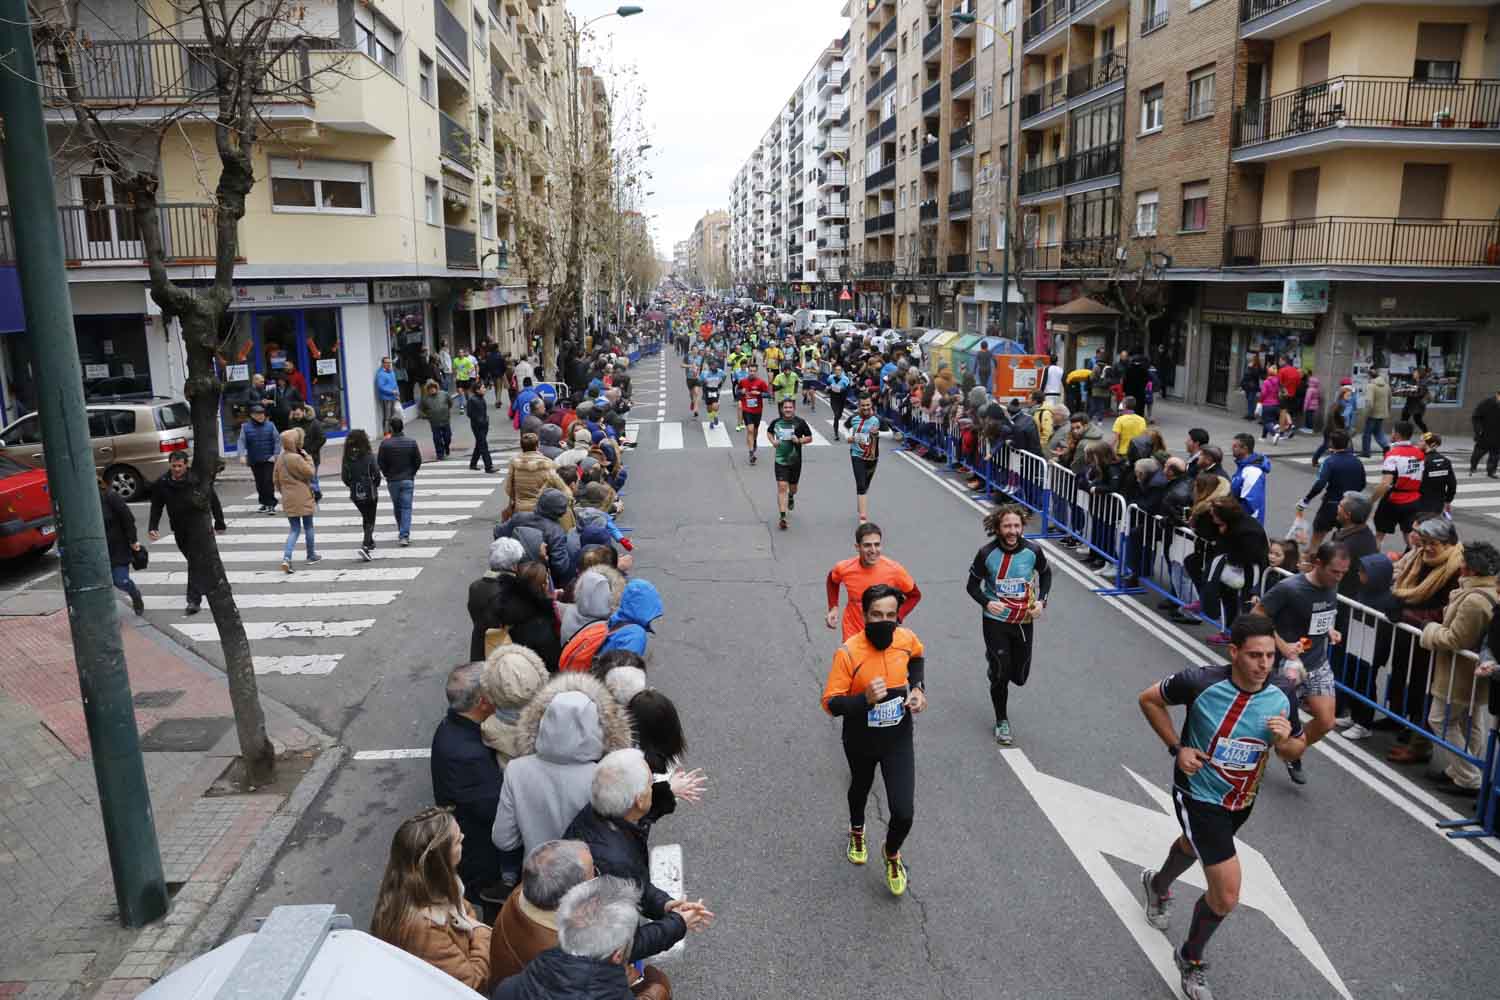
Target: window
1194, 207
424, 78
903, 41
984, 235
916, 87
1145, 213
320, 186
1151, 109
1302, 194
487, 221
375, 37
433, 205
1439, 49
1156, 15
903, 197
1008, 18
479, 24
1000, 232
1200, 93
1424, 191
1005, 88
484, 126
986, 99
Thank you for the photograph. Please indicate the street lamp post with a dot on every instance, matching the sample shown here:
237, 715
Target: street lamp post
1010, 60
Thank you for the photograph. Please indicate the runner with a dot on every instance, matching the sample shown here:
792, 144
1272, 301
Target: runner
863, 571
753, 390
786, 383
811, 374
1398, 495
838, 387
692, 368
1009, 580
1304, 607
713, 379
876, 676
789, 433
773, 358
1235, 713
864, 452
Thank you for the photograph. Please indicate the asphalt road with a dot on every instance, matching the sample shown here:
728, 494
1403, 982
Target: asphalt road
1023, 863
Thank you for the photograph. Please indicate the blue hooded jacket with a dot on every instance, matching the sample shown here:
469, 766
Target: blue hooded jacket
1249, 484
640, 605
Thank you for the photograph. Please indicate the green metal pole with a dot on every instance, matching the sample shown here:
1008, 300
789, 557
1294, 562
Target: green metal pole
124, 797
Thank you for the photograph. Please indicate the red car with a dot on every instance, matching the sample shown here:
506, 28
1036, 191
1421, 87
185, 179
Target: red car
26, 524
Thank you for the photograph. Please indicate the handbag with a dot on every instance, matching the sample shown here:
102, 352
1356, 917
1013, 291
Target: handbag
1232, 577
510, 491
140, 558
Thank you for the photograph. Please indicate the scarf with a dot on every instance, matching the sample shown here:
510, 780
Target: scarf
1417, 583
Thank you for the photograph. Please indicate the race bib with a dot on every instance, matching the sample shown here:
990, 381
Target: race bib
1010, 587
1238, 755
887, 713
783, 433
1321, 622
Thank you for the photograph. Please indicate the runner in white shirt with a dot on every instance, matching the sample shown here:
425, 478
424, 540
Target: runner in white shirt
1053, 386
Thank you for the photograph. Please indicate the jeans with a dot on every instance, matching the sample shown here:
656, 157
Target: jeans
265, 491
388, 408
401, 491
1374, 426
1251, 396
1270, 419
442, 440
120, 575
295, 527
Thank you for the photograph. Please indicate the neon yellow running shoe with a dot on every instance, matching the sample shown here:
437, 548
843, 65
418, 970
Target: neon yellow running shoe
895, 875
858, 853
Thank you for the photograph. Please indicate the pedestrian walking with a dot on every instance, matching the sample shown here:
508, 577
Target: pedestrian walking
1417, 395
177, 492
1377, 412
314, 437
436, 409
1250, 382
361, 475
445, 365
399, 459
120, 538
1009, 580
478, 412
1486, 420
294, 481
387, 392
258, 446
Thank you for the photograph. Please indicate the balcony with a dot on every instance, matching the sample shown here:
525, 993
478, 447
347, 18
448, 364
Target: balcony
1091, 253
1362, 241
962, 80
933, 39
456, 143
1108, 69
831, 243
1369, 110
958, 263
1044, 24
931, 154
960, 203
927, 211
1154, 19
462, 247
1050, 96
962, 140
844, 82
1041, 179
1277, 18
884, 177
927, 265
932, 97
881, 42
1092, 164
964, 30
833, 210
823, 81
451, 34
97, 234
881, 224
879, 268
832, 178
1041, 258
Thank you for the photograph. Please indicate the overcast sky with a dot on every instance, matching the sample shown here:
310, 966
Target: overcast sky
715, 73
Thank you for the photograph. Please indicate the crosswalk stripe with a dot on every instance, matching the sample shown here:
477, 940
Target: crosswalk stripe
669, 436
322, 663
374, 574
343, 520
331, 537
1462, 502
717, 437
419, 501
290, 599
424, 491
329, 555
208, 632
666, 873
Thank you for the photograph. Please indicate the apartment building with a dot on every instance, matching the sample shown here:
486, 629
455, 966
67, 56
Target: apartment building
708, 250
384, 212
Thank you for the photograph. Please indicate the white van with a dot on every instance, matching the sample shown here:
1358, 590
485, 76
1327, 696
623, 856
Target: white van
818, 319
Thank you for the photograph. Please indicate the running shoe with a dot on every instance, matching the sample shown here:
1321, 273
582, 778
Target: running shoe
1194, 978
858, 853
1158, 907
1294, 769
895, 875
403, 542
1002, 733
739, 427
366, 554
752, 458
791, 501
782, 523
1356, 732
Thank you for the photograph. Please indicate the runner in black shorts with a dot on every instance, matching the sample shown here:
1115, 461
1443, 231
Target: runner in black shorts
788, 432
693, 367
753, 394
864, 452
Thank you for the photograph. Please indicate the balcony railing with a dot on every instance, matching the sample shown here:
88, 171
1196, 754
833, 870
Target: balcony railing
456, 142
879, 268
1107, 69
880, 42
462, 246
880, 178
1251, 9
1088, 164
101, 233
1041, 20
832, 178
1154, 19
958, 263
1356, 240
1044, 178
833, 209
1044, 98
1090, 253
928, 210
960, 201
161, 72
450, 31
1043, 257
931, 153
932, 96
962, 76
933, 39
881, 223
960, 138
844, 82
1372, 102
927, 265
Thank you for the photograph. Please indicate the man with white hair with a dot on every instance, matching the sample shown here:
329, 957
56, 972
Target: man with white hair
620, 797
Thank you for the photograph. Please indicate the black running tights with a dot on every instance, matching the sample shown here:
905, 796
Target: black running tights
898, 766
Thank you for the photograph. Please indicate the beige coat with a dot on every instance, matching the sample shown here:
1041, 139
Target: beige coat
456, 943
530, 473
1378, 396
1465, 621
293, 476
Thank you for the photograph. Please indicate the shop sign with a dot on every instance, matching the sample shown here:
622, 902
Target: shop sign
237, 373
402, 291
307, 293
1301, 297
328, 366
1258, 320
487, 298
1269, 302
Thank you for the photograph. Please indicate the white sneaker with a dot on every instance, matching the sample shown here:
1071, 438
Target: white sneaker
1356, 732
1343, 721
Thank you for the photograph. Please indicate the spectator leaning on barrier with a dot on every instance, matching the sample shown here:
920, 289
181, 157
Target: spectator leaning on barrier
1248, 483
1212, 463
1425, 578
1458, 707
1197, 437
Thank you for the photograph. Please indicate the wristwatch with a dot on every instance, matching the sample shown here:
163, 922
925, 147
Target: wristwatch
1174, 749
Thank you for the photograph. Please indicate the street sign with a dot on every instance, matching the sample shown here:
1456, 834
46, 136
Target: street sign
844, 296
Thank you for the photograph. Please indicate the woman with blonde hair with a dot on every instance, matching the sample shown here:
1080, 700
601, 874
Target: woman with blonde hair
295, 478
421, 909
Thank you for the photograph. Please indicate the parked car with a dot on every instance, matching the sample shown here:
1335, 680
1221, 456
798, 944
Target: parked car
118, 387
131, 440
818, 319
26, 525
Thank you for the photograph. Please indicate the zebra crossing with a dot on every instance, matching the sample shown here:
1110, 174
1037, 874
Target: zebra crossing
691, 435
1477, 494
297, 622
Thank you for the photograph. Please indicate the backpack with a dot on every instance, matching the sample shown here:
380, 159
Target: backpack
578, 655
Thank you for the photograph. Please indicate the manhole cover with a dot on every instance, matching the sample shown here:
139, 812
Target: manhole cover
181, 735
155, 699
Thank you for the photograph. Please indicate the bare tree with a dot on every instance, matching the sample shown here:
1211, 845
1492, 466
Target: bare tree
216, 64
1139, 291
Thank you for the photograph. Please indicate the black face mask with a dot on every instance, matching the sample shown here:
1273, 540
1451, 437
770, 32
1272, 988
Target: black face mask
880, 634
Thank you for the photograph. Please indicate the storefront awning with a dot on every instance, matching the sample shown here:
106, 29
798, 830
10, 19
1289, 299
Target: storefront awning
1386, 321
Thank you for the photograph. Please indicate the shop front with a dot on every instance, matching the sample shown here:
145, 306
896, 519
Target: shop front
1237, 338
406, 308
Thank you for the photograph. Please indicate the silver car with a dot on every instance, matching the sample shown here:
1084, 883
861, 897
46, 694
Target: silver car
132, 440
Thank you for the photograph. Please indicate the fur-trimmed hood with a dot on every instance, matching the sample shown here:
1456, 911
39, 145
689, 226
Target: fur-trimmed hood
614, 725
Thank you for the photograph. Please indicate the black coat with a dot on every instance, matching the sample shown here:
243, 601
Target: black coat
504, 601
362, 470
1487, 420
399, 457
466, 776
119, 527
1245, 544
556, 975
619, 848
477, 408
176, 497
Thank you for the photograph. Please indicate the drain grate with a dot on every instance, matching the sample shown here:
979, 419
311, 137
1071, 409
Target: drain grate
156, 699
182, 735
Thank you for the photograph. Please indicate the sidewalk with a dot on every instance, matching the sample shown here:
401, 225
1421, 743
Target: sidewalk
1222, 425
63, 938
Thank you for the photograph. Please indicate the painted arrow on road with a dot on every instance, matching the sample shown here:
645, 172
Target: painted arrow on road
1094, 825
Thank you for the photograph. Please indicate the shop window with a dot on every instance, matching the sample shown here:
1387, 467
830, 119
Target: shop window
320, 186
325, 360
1439, 50
1439, 354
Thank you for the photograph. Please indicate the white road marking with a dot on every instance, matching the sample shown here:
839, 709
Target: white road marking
666, 874
329, 555
669, 436
292, 599
323, 663
717, 437
344, 520
1096, 826
208, 632
377, 574
339, 494
633, 431
419, 501
329, 537
418, 753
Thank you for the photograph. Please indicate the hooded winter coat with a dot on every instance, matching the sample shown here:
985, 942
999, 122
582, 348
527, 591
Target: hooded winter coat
1249, 484
640, 605
545, 520
594, 527
596, 595
512, 674
500, 600
551, 440
1466, 622
563, 731
293, 476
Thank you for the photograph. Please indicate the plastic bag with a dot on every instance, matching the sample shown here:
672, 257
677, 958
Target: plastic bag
1300, 531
